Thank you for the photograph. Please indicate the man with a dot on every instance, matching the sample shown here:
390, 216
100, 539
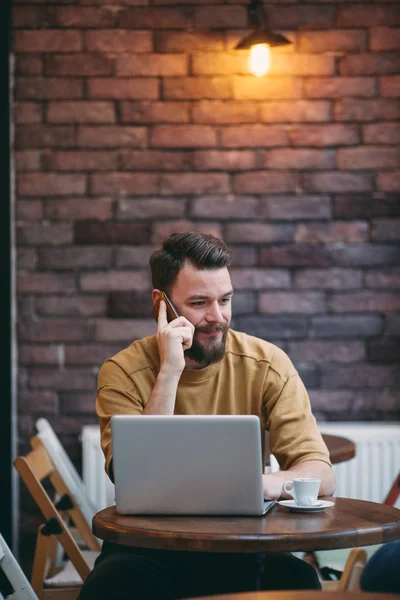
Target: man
196, 364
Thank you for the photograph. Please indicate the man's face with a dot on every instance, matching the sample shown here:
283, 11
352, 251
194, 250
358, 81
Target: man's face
204, 297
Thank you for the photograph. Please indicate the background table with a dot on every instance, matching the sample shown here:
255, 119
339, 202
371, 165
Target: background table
347, 524
340, 448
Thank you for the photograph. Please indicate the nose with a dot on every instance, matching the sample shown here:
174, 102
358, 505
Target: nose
214, 314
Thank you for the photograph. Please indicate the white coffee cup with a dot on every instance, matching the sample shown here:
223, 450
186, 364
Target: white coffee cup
303, 490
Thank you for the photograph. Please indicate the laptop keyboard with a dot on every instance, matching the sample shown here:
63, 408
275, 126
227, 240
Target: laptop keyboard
268, 504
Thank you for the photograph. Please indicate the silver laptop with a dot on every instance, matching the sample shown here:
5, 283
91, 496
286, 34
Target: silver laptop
188, 465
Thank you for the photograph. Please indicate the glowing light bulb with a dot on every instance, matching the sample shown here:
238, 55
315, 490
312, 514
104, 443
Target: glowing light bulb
259, 58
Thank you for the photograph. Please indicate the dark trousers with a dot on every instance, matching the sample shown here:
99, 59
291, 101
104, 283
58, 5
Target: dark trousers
123, 573
382, 571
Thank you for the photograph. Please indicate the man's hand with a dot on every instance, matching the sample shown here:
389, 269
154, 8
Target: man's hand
273, 482
272, 485
173, 339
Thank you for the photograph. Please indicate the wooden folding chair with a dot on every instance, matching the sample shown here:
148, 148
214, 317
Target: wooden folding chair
68, 502
65, 467
34, 468
349, 578
15, 575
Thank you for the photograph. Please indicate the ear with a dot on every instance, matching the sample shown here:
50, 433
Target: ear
155, 294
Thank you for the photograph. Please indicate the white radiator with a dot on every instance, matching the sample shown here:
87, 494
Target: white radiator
368, 476
98, 485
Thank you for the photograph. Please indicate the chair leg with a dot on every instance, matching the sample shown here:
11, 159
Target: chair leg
354, 565
43, 561
61, 594
311, 559
40, 562
393, 493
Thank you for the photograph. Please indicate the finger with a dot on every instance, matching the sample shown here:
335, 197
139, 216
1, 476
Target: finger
183, 335
162, 315
187, 344
187, 338
182, 322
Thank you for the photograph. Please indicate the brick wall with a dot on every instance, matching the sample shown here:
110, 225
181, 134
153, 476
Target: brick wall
135, 118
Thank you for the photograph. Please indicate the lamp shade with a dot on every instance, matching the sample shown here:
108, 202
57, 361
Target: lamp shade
262, 36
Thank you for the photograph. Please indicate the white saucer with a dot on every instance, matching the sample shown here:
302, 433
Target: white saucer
318, 507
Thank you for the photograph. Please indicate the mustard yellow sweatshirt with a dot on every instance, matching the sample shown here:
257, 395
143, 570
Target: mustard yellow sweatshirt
254, 377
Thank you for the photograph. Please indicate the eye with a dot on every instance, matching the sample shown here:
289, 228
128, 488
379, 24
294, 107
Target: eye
225, 300
197, 303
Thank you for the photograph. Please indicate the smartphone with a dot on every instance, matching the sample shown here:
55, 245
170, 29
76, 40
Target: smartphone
171, 312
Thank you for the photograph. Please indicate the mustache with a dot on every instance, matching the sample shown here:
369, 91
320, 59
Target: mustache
212, 328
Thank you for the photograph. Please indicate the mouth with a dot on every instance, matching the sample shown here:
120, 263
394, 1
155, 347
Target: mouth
216, 330
210, 333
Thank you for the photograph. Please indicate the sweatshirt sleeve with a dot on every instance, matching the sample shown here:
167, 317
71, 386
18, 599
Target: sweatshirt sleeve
294, 436
116, 395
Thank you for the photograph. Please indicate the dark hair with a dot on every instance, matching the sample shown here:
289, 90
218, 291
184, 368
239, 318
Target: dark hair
204, 251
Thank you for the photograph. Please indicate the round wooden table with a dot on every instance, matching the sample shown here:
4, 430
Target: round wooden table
340, 448
303, 595
347, 524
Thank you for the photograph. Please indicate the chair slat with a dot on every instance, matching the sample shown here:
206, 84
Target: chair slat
40, 463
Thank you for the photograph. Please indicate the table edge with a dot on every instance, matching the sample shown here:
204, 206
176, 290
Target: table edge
148, 538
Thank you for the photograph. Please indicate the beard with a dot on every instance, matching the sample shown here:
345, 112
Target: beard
212, 351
